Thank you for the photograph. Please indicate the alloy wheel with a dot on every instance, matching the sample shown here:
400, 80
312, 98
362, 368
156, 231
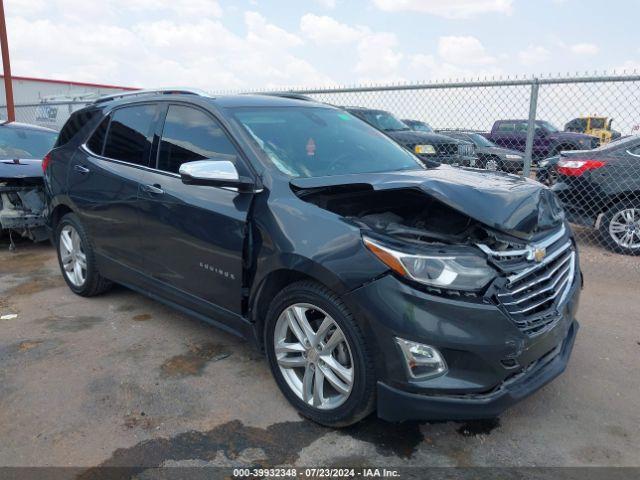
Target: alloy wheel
314, 356
624, 228
72, 255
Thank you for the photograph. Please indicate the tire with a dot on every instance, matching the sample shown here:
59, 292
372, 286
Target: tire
622, 215
353, 354
91, 283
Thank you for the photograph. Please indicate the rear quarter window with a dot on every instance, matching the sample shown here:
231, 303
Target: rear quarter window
76, 122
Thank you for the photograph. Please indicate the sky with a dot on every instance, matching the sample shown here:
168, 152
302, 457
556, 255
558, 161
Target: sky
223, 45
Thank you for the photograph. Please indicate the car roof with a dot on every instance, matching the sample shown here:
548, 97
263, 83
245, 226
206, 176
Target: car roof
26, 126
222, 101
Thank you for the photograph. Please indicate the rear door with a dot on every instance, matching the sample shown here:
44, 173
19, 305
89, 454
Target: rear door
192, 236
104, 180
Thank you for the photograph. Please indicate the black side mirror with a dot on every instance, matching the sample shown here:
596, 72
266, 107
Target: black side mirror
215, 173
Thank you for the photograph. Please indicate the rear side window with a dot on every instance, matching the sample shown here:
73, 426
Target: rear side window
75, 123
506, 127
189, 135
129, 135
96, 142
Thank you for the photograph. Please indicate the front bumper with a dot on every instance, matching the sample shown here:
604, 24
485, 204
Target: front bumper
397, 405
491, 362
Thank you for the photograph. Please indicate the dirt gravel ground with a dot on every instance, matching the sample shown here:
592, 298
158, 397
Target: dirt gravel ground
123, 380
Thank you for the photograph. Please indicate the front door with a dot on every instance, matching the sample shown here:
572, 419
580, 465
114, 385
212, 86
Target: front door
193, 236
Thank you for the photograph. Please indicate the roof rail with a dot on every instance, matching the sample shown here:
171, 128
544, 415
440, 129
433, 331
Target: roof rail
158, 91
291, 95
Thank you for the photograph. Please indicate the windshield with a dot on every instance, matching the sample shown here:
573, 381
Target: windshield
419, 126
384, 121
25, 143
547, 126
597, 122
481, 140
316, 142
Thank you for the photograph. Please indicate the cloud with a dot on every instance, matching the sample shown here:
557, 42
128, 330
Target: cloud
327, 3
584, 49
325, 30
447, 8
180, 50
377, 56
533, 55
463, 50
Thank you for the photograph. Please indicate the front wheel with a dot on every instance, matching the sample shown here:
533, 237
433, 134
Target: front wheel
319, 356
76, 258
620, 228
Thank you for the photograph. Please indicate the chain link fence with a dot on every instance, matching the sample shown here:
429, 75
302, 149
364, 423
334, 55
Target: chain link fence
46, 114
578, 135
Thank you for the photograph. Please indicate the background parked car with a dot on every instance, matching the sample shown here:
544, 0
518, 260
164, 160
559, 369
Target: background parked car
490, 155
601, 188
547, 141
418, 125
428, 146
597, 126
22, 147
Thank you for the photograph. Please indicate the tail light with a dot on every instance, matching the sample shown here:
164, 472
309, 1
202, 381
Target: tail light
45, 162
575, 168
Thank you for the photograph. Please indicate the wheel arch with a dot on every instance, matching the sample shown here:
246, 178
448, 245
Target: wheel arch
276, 280
57, 213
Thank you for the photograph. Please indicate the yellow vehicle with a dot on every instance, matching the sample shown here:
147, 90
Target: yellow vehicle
597, 126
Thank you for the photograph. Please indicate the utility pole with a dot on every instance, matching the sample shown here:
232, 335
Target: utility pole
8, 84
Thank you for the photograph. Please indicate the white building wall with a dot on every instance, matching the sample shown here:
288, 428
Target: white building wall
50, 102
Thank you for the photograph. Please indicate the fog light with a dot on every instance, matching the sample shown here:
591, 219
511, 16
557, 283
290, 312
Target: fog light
422, 361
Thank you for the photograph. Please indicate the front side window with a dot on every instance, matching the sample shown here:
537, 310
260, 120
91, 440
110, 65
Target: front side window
316, 141
189, 135
506, 127
129, 136
597, 123
548, 127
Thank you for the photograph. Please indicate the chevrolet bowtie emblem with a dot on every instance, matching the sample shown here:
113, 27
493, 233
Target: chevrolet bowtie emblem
539, 254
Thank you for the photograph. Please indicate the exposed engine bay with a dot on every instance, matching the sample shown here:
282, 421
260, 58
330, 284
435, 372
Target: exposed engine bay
21, 207
405, 214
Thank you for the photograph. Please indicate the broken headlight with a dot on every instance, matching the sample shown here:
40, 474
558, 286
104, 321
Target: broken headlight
460, 271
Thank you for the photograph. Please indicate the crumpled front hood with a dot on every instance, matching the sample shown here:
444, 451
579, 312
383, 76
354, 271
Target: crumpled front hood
508, 203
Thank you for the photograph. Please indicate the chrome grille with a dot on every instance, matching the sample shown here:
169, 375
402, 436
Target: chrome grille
533, 295
466, 150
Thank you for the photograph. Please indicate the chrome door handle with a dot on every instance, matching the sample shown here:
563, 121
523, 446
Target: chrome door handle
81, 169
153, 189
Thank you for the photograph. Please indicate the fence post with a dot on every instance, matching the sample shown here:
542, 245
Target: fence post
531, 127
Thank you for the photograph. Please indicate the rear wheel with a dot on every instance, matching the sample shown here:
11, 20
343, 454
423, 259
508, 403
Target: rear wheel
76, 258
319, 356
620, 228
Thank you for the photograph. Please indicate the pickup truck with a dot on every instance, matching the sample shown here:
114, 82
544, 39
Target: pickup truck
547, 141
